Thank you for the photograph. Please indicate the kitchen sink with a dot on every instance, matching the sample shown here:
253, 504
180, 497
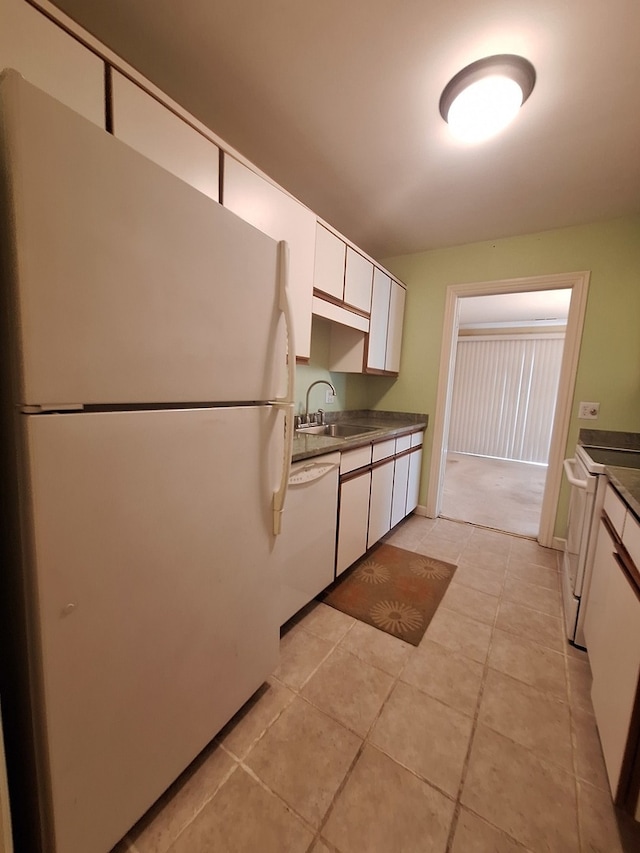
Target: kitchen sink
336, 430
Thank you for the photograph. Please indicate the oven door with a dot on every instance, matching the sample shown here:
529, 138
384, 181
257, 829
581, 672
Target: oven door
581, 504
581, 507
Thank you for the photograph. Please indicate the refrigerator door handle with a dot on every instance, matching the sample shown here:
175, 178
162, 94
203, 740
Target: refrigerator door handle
286, 404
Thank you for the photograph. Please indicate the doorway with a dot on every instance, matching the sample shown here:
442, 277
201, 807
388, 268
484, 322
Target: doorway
508, 358
576, 284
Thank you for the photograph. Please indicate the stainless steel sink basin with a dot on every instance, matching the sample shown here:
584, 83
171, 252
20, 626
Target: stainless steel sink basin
337, 430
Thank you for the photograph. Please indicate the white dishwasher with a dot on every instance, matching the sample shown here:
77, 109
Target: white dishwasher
305, 549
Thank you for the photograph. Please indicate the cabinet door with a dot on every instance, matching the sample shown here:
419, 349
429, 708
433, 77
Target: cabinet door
413, 485
612, 631
270, 209
400, 482
353, 521
153, 130
394, 329
51, 59
376, 356
358, 281
328, 272
380, 503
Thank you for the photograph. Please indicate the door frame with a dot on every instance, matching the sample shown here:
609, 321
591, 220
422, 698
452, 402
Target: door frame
578, 282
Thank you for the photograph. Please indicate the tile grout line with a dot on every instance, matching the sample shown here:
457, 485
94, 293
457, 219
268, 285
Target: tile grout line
365, 742
465, 766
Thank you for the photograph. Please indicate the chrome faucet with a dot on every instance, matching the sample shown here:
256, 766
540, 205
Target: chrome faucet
317, 382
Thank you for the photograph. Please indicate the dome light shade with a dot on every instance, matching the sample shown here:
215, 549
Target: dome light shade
486, 95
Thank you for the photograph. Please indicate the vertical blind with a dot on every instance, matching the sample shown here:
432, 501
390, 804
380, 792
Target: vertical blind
504, 395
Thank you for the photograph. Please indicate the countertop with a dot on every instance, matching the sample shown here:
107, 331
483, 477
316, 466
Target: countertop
625, 480
387, 424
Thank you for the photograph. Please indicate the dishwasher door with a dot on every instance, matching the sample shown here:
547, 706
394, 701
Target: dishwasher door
305, 549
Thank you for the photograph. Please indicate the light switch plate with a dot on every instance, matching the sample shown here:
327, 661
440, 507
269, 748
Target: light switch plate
329, 397
588, 411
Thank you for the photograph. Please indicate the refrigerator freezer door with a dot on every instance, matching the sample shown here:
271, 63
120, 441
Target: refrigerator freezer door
129, 285
157, 604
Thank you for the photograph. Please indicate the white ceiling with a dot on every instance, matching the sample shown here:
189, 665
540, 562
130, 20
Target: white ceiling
337, 100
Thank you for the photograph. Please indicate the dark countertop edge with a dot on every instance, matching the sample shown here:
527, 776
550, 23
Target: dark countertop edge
626, 482
608, 438
389, 425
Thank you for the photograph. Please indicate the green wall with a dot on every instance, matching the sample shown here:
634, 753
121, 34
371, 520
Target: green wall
609, 364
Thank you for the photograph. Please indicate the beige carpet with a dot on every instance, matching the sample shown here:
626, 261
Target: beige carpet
392, 589
494, 493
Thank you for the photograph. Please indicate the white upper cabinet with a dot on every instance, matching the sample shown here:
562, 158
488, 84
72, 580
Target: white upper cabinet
328, 273
385, 328
394, 328
152, 129
277, 214
51, 59
358, 281
379, 320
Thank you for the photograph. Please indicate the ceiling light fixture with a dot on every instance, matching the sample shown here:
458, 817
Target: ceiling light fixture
485, 96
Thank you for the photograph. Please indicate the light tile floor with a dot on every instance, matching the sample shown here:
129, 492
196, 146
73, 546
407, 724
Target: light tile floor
480, 740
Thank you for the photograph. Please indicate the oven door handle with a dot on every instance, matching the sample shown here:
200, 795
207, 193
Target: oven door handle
568, 470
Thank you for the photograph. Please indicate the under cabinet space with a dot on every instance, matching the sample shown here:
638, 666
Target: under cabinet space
346, 349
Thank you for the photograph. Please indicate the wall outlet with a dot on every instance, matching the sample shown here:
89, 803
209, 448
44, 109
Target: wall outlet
588, 411
329, 397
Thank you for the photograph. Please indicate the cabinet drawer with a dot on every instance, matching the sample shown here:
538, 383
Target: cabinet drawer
631, 538
615, 509
416, 439
403, 443
352, 459
384, 449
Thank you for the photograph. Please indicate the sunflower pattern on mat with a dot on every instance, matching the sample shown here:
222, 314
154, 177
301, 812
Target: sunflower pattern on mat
372, 572
395, 616
425, 567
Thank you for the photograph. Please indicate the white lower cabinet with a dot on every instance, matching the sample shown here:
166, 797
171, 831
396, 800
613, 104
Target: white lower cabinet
353, 520
400, 482
51, 59
378, 489
612, 631
380, 502
413, 485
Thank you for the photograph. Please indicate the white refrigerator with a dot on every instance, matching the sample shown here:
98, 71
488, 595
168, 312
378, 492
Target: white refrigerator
145, 400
